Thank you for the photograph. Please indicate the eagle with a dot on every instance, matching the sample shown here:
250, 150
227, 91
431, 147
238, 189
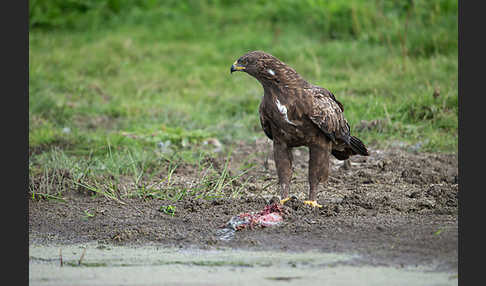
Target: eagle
293, 113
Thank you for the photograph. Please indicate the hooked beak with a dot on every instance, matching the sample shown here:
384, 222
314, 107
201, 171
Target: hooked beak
236, 67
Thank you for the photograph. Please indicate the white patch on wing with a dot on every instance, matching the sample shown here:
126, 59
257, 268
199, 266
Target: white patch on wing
283, 109
270, 71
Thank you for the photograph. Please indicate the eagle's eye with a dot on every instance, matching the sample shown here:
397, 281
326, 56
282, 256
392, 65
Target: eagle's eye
244, 62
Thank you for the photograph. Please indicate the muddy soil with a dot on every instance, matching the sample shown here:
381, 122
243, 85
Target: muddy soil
396, 207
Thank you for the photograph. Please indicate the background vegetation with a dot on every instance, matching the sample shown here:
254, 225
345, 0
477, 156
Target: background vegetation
126, 88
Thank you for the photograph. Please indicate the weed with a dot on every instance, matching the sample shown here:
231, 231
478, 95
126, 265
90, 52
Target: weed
87, 215
170, 209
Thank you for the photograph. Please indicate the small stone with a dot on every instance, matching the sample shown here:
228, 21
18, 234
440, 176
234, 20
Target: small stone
414, 195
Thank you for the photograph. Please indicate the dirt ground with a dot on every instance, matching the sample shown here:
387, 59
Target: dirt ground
395, 207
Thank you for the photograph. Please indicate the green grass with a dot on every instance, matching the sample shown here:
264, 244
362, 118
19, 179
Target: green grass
110, 87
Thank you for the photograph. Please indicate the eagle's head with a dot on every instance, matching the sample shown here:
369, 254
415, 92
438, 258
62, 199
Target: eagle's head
265, 68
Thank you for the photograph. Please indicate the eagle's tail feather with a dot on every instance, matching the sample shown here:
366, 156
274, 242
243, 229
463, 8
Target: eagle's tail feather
358, 146
341, 155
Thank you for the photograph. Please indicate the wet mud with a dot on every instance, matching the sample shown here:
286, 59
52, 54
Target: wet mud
395, 207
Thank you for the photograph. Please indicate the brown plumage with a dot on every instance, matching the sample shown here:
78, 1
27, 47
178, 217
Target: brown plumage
295, 113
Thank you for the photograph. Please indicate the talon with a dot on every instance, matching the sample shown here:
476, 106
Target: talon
284, 200
313, 204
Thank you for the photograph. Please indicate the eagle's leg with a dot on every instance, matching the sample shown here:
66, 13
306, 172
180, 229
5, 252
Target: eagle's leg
282, 156
346, 164
318, 169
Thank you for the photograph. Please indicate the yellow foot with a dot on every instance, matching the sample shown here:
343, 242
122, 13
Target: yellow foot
284, 200
313, 204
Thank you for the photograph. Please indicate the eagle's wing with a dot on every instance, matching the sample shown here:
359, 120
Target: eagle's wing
327, 113
264, 122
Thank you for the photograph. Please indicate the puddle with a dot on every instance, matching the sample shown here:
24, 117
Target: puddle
100, 264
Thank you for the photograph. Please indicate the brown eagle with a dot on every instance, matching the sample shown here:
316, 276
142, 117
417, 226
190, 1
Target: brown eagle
293, 113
